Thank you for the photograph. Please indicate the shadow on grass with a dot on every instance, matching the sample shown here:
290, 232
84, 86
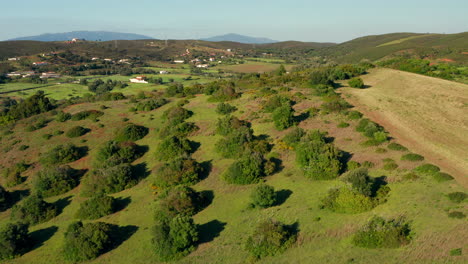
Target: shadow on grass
120, 234
39, 237
207, 166
282, 196
302, 117
345, 157
206, 198
122, 203
14, 197
211, 230
140, 171
62, 203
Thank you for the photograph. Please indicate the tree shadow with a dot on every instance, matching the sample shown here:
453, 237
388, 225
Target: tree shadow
282, 196
207, 166
120, 234
83, 151
141, 150
14, 197
345, 157
60, 204
293, 228
211, 230
194, 146
378, 183
302, 117
278, 165
122, 203
140, 171
206, 198
39, 237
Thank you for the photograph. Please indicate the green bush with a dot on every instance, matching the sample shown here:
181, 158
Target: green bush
346, 200
87, 114
354, 115
294, 136
62, 116
390, 166
396, 146
229, 124
343, 125
55, 180
236, 143
274, 102
181, 200
352, 165
456, 252
108, 180
412, 157
86, 241
283, 117
33, 105
177, 171
456, 214
427, 169
151, 104
269, 238
246, 170
263, 196
182, 129
381, 233
174, 238
318, 160
173, 147
114, 153
96, 207
225, 108
356, 83
12, 176
360, 181
131, 132
62, 154
33, 210
457, 197
441, 177
14, 240
334, 104
380, 150
176, 115
76, 131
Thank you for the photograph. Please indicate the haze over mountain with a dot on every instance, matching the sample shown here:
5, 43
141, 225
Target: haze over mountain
240, 39
87, 35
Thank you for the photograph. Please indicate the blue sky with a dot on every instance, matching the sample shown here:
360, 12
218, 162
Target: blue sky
321, 21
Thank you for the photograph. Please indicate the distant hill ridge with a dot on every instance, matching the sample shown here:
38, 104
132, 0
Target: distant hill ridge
240, 39
87, 35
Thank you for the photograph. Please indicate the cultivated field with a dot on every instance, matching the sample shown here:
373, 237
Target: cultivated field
428, 115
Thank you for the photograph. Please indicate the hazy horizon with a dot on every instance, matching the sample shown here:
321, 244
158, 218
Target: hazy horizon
300, 20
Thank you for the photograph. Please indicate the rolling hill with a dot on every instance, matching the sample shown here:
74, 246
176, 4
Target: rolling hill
240, 38
87, 35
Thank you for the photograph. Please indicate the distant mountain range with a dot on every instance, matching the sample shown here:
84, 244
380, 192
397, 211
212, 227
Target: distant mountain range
87, 35
240, 39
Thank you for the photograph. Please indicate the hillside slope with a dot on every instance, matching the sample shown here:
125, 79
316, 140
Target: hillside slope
426, 114
88, 35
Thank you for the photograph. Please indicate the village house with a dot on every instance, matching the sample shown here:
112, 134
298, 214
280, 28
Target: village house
40, 63
22, 74
163, 72
95, 58
139, 79
179, 61
14, 59
47, 75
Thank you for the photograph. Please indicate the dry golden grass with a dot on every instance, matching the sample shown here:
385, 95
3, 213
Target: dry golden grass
428, 115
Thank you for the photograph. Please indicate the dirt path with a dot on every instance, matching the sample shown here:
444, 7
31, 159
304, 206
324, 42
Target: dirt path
427, 115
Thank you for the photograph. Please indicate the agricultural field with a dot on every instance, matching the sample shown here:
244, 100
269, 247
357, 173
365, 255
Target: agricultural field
225, 223
426, 114
253, 67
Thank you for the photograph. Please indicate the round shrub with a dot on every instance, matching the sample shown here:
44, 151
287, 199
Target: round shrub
246, 170
33, 210
182, 170
114, 153
14, 240
441, 177
269, 238
356, 83
55, 180
294, 136
96, 207
381, 233
427, 169
86, 241
108, 180
346, 200
76, 131
62, 117
283, 117
173, 147
181, 200
343, 125
263, 196
396, 146
456, 214
354, 115
176, 115
61, 154
319, 161
225, 108
412, 157
131, 132
457, 197
390, 166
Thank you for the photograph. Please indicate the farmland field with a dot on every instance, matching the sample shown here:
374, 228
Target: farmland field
252, 67
426, 114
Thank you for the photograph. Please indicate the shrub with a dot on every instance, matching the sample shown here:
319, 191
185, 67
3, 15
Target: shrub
412, 157
109, 180
320, 76
352, 165
182, 129
343, 125
182, 170
114, 153
390, 166
62, 117
356, 83
354, 115
55, 180
175, 238
62, 154
427, 169
173, 147
441, 177
294, 136
318, 160
368, 164
380, 150
76, 131
346, 200
247, 170
360, 181
269, 238
181, 200
12, 176
456, 252
33, 105
381, 233
263, 196
334, 104
88, 114
151, 104
14, 240
225, 108
225, 92
396, 146
274, 102
234, 144
229, 124
176, 115
457, 197
283, 117
96, 207
456, 214
131, 132
33, 210
86, 241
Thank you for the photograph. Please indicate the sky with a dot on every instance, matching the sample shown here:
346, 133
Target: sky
303, 20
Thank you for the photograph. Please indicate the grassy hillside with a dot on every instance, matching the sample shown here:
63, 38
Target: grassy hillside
324, 236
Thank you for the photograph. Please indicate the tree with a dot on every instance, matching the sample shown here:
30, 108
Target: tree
55, 180
247, 170
283, 117
97, 207
263, 196
33, 210
318, 160
14, 240
356, 83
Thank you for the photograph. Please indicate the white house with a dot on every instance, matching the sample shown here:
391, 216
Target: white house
41, 63
163, 72
179, 61
13, 59
139, 79
46, 75
95, 58
212, 59
203, 66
